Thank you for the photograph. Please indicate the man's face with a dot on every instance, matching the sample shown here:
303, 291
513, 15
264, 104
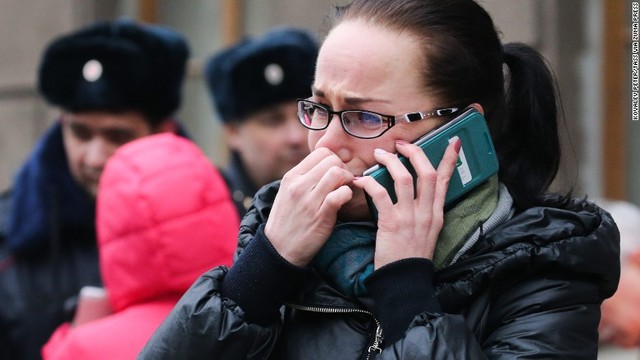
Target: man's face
90, 138
270, 142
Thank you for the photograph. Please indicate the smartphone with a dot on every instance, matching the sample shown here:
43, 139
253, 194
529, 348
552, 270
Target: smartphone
477, 160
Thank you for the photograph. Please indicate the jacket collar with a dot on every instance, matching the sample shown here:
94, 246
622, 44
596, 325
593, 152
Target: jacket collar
48, 205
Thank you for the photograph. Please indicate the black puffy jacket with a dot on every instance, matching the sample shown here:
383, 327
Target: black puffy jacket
529, 289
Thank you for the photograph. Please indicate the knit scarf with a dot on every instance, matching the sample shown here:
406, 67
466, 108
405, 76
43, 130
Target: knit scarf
346, 259
463, 219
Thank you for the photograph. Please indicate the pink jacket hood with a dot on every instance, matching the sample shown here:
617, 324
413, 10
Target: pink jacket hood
164, 217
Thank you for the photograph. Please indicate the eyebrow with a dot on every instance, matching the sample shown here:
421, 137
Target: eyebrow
352, 101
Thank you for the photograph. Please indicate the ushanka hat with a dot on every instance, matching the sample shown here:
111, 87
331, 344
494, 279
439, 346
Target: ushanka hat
259, 72
116, 66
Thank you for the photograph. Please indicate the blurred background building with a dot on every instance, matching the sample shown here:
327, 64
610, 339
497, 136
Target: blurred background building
587, 42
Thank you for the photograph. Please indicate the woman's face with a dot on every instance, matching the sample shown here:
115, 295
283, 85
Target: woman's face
364, 67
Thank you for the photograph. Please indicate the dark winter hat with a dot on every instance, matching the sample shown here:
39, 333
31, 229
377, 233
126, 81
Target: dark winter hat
257, 73
116, 66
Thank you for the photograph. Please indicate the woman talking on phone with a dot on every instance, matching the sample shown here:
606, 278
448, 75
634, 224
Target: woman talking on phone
509, 271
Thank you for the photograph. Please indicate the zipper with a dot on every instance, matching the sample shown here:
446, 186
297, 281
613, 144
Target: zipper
375, 347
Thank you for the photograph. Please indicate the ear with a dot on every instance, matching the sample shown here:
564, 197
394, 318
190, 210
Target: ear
64, 116
233, 135
477, 107
168, 125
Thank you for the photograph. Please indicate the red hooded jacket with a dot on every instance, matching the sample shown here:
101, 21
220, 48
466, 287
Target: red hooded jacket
164, 217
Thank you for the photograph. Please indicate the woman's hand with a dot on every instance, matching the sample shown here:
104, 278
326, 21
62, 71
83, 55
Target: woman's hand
305, 209
410, 228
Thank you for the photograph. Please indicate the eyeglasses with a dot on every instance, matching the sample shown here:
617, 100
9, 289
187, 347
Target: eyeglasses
359, 123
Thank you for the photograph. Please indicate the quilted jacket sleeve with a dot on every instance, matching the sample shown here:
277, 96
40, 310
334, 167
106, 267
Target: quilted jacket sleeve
203, 325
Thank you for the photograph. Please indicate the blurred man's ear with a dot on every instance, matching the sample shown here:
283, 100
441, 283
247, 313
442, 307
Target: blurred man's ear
232, 135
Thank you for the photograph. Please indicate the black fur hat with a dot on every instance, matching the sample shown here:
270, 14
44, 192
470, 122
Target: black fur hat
116, 66
257, 73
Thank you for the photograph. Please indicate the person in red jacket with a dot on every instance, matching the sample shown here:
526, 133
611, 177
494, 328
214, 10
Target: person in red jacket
107, 83
164, 217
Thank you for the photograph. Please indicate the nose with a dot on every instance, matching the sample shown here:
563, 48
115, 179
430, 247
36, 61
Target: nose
96, 154
336, 139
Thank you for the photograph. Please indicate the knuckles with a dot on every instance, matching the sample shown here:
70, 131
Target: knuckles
378, 192
335, 171
427, 175
404, 179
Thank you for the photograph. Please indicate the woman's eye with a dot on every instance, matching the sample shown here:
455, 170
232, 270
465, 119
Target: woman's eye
370, 120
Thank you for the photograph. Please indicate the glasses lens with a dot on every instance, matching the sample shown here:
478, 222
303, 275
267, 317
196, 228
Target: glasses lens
362, 123
311, 115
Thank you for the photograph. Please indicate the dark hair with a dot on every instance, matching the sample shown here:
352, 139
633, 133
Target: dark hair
464, 60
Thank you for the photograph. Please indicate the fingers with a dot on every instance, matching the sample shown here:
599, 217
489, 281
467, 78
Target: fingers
411, 226
402, 178
311, 161
445, 171
306, 206
379, 195
330, 177
431, 186
335, 199
320, 172
426, 182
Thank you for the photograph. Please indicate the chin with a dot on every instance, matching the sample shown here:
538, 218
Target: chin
91, 189
356, 209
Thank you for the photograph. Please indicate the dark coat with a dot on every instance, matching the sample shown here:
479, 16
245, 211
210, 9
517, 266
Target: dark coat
241, 187
47, 249
529, 289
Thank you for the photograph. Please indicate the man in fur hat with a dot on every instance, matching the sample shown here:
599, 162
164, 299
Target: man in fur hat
113, 82
254, 85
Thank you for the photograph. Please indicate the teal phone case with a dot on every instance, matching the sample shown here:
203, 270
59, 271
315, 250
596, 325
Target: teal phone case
477, 160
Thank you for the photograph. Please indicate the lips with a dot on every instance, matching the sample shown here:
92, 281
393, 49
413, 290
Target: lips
91, 178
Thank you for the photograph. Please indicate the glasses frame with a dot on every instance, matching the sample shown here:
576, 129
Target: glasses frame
391, 120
